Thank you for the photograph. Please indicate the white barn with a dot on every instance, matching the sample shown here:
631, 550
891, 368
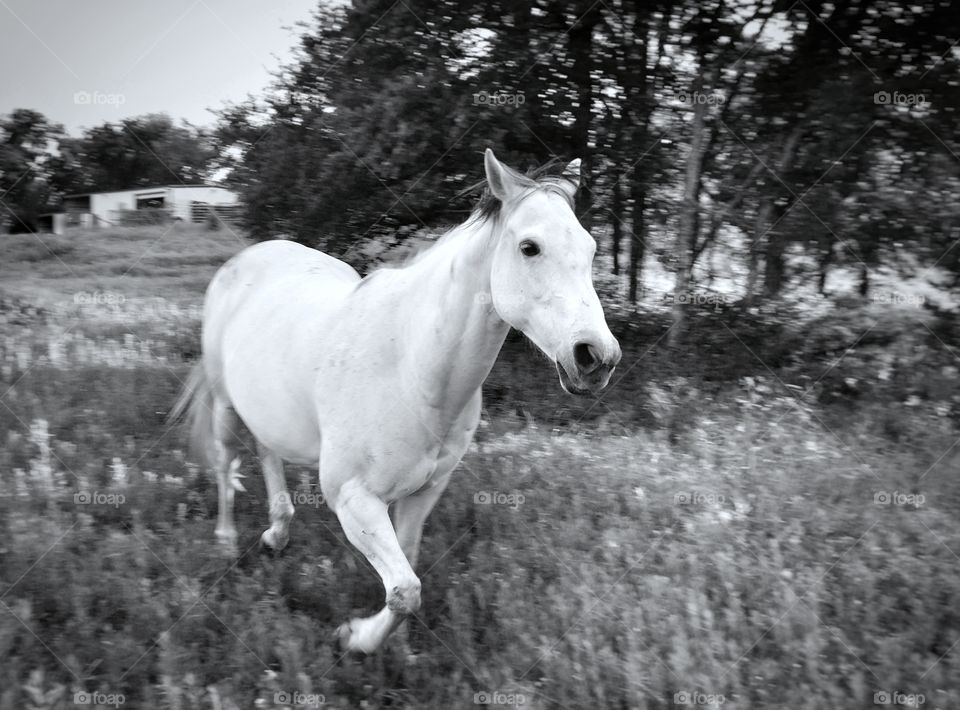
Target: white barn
189, 203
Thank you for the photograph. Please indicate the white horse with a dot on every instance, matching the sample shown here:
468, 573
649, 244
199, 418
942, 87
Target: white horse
378, 379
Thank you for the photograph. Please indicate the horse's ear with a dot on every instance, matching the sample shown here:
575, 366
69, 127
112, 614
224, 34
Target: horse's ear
572, 172
499, 181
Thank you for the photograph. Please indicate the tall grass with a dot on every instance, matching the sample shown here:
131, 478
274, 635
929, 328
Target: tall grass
741, 547
749, 561
174, 260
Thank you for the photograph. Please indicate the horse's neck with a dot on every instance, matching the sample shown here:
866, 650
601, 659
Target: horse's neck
457, 333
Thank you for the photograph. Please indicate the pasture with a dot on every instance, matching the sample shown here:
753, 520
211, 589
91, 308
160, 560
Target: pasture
671, 545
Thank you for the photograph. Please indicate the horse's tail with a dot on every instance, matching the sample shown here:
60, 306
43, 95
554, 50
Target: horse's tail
196, 403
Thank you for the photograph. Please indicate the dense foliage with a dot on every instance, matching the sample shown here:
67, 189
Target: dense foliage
741, 130
768, 521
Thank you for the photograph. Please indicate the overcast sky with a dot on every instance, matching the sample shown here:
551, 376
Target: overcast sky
82, 62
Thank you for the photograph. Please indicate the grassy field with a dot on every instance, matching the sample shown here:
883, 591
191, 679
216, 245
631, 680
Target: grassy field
674, 545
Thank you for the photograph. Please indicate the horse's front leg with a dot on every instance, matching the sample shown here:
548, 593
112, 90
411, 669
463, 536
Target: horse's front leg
411, 512
366, 522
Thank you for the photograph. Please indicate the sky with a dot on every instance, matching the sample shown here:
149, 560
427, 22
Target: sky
83, 62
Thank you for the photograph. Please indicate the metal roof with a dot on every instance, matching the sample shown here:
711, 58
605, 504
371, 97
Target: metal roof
141, 189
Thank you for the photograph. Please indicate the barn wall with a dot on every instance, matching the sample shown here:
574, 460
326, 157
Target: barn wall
181, 198
105, 205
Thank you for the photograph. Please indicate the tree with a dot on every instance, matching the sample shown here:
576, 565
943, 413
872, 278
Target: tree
385, 114
748, 129
26, 138
139, 152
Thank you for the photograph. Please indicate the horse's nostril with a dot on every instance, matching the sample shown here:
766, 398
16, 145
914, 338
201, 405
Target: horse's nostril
587, 357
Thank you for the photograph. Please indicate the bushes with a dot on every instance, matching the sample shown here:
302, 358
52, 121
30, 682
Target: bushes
144, 217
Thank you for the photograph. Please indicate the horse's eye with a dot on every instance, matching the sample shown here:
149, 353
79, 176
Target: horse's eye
528, 248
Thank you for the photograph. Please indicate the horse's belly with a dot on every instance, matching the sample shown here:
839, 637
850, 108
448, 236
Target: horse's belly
279, 421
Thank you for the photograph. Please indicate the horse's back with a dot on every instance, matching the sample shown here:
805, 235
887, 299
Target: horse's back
255, 268
258, 264
249, 275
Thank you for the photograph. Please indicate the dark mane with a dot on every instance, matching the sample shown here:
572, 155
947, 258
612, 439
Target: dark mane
546, 177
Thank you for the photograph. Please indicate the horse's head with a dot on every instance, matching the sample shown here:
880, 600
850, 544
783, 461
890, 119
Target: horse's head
541, 281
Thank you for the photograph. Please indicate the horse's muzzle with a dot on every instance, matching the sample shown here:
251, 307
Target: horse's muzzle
590, 368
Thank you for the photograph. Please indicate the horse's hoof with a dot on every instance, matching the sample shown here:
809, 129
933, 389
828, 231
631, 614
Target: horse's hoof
341, 638
348, 643
227, 544
270, 544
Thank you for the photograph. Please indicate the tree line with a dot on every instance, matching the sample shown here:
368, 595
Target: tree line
40, 163
752, 131
759, 127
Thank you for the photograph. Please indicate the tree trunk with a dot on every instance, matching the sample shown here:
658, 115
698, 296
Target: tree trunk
869, 254
689, 217
767, 239
635, 76
617, 225
753, 266
580, 45
823, 263
774, 266
637, 233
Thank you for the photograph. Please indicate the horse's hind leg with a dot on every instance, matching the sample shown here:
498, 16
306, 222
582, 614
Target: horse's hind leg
225, 460
281, 507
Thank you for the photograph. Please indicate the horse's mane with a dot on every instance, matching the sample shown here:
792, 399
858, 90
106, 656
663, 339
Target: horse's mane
488, 207
544, 177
